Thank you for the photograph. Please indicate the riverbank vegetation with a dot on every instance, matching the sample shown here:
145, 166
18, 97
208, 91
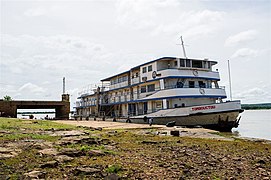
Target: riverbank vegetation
256, 106
43, 149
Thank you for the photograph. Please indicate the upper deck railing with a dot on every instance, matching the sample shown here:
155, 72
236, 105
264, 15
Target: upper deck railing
188, 73
92, 88
182, 91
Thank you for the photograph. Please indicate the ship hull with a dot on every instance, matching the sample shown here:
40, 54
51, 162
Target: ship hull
222, 117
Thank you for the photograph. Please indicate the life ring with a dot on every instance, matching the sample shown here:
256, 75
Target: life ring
202, 91
196, 73
154, 74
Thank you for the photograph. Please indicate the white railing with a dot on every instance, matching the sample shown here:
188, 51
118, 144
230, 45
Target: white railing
135, 80
92, 88
169, 91
186, 73
118, 85
188, 92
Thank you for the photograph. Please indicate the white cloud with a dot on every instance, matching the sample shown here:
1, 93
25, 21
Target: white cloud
53, 52
35, 12
253, 92
155, 17
136, 14
45, 83
245, 53
73, 91
45, 60
255, 95
240, 38
192, 23
32, 88
99, 39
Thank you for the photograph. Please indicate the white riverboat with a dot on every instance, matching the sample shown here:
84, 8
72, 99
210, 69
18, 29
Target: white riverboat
167, 89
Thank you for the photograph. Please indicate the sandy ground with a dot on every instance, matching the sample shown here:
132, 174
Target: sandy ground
161, 129
108, 124
123, 125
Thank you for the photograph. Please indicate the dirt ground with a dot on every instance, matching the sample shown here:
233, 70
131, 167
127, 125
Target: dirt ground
107, 124
39, 149
161, 129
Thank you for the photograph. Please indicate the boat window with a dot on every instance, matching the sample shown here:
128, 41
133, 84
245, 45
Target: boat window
182, 63
122, 79
114, 81
158, 105
188, 63
197, 64
144, 69
202, 84
209, 65
136, 74
143, 89
149, 68
204, 64
179, 84
151, 87
175, 63
191, 84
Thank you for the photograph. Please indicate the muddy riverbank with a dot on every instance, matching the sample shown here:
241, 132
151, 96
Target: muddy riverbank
51, 150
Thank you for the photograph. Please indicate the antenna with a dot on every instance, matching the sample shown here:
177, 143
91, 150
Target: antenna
229, 78
182, 43
63, 85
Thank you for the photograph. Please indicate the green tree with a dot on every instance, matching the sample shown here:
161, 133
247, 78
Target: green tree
7, 98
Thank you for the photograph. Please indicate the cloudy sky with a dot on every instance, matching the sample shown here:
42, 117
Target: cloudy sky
85, 41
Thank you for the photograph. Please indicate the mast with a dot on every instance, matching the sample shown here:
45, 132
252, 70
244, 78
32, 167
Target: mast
182, 43
230, 79
64, 85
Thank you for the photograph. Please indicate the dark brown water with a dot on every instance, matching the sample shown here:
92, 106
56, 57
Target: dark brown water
255, 124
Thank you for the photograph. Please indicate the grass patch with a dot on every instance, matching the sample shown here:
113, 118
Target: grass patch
26, 161
15, 124
134, 159
20, 136
115, 168
86, 148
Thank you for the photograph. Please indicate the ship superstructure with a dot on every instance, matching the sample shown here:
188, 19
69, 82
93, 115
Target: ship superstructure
165, 88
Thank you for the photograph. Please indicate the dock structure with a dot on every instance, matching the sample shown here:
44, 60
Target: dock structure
62, 108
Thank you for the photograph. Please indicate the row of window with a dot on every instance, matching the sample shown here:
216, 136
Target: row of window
119, 80
148, 88
135, 75
195, 64
183, 63
127, 92
191, 84
144, 70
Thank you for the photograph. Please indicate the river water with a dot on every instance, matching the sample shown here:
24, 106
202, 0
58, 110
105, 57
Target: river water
255, 124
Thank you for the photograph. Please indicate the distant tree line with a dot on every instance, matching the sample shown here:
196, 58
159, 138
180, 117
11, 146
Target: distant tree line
256, 106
